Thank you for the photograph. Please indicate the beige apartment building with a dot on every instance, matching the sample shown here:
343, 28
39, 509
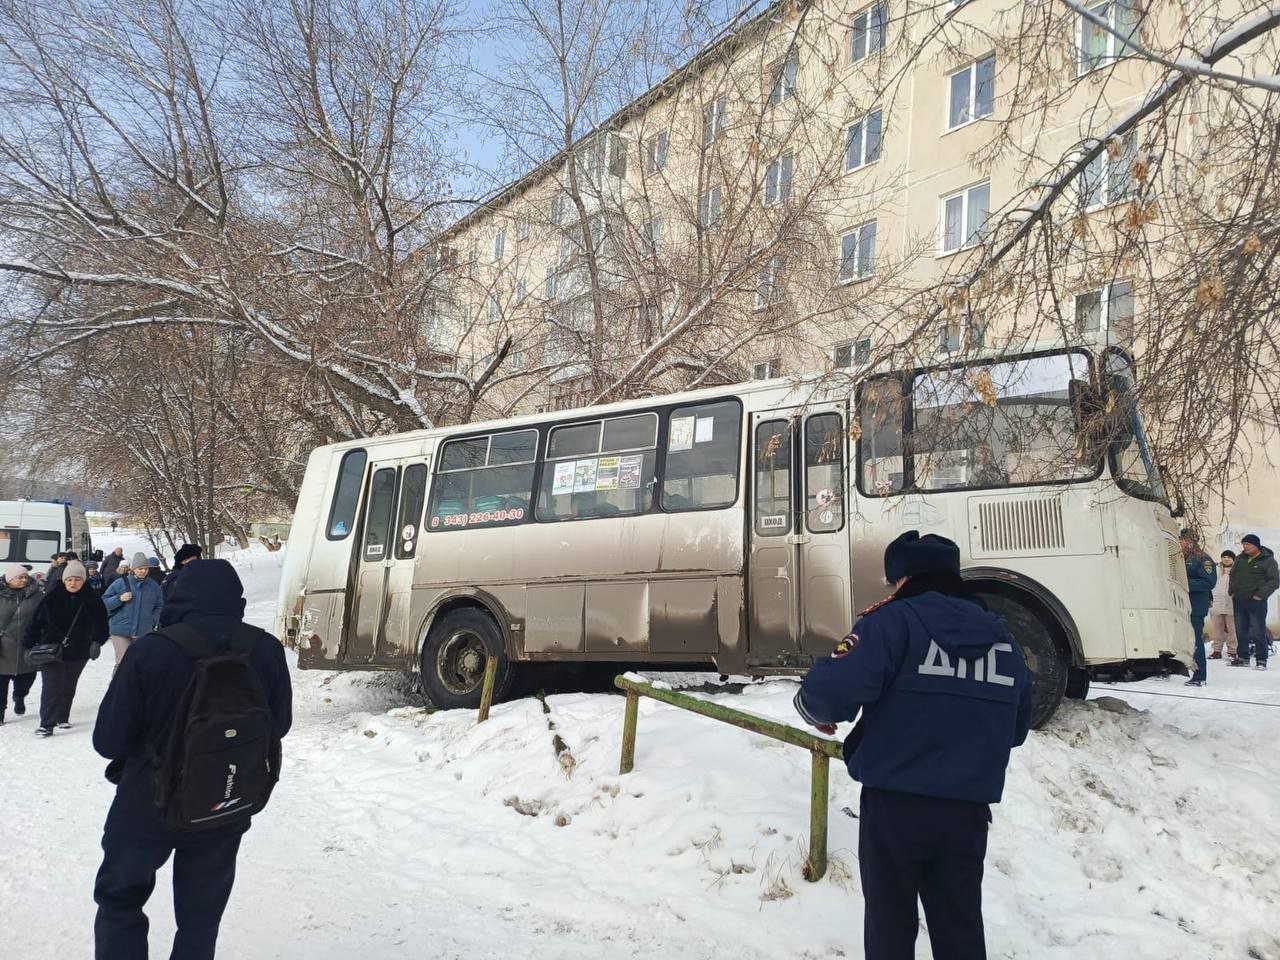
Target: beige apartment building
795, 198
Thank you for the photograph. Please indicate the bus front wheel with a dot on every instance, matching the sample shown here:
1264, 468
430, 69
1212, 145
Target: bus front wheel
454, 655
1047, 662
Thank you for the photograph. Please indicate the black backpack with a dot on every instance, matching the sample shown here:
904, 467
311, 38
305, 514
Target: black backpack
222, 758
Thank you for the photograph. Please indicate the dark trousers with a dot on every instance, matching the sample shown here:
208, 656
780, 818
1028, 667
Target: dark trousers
204, 870
58, 689
911, 846
22, 685
1202, 665
1251, 629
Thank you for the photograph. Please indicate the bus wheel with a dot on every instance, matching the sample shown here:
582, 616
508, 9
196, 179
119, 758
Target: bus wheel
453, 659
1077, 684
1047, 662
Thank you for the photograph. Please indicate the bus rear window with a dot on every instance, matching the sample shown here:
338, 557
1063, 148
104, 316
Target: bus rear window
346, 495
484, 481
703, 444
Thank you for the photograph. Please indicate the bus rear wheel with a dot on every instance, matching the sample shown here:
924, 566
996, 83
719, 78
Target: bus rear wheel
1048, 664
453, 659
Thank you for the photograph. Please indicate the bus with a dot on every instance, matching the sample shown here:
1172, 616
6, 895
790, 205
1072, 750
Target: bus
32, 531
744, 527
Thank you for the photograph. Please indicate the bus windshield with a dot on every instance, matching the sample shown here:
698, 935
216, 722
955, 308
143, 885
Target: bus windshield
1132, 462
996, 424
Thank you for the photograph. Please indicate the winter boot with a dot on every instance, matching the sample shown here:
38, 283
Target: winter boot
1216, 656
19, 706
1195, 683
44, 731
1237, 662
1262, 665
64, 725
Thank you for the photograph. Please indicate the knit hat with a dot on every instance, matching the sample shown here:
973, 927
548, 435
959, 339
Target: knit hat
1251, 538
12, 571
153, 561
139, 560
186, 552
75, 568
912, 555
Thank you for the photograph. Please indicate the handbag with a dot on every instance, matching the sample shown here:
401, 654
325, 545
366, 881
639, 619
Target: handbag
43, 654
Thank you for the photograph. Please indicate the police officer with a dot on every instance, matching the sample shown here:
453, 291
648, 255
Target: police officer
1202, 577
944, 695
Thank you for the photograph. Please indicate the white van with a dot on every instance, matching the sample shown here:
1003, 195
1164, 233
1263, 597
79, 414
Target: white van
32, 531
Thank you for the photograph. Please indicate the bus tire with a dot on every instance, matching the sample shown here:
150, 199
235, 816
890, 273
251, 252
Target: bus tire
1077, 684
453, 659
1047, 661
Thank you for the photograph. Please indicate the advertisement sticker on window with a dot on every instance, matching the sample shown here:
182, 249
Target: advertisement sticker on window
681, 434
562, 483
584, 479
705, 431
607, 473
629, 472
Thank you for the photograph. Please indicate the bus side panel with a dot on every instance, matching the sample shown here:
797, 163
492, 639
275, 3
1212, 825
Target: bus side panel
314, 579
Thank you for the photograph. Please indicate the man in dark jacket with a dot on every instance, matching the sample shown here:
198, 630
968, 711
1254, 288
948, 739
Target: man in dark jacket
186, 553
944, 695
1254, 578
56, 567
1202, 577
111, 566
134, 721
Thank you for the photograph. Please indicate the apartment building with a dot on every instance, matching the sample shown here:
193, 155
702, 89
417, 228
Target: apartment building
802, 195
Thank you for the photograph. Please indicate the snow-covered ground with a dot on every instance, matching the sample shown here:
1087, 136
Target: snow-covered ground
1150, 833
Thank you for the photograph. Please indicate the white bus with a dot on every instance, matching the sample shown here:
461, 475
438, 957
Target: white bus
32, 531
744, 526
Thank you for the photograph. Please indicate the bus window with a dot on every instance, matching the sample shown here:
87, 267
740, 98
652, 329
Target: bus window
346, 495
37, 546
703, 444
413, 497
824, 472
880, 412
600, 469
997, 425
773, 478
484, 481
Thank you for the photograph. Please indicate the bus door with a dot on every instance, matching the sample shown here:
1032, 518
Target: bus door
799, 561
391, 526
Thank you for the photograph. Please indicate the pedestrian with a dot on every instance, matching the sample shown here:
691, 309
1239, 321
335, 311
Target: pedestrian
185, 555
134, 603
142, 711
73, 618
944, 695
1254, 578
54, 573
111, 566
20, 595
158, 576
95, 579
1202, 577
114, 525
1222, 617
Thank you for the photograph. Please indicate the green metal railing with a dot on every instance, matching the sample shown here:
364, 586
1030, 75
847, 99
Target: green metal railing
821, 750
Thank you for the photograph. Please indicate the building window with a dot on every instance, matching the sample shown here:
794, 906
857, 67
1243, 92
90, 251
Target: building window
862, 141
655, 153
869, 29
653, 234
1099, 47
777, 180
964, 217
769, 285
1108, 178
515, 360
949, 336
522, 291
473, 259
556, 213
767, 369
709, 208
852, 354
1109, 309
858, 253
712, 121
499, 244
973, 93
783, 78
495, 313
550, 284
522, 229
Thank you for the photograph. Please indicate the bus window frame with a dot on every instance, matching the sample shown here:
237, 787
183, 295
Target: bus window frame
906, 380
788, 444
660, 468
333, 497
545, 460
842, 460
539, 444
392, 529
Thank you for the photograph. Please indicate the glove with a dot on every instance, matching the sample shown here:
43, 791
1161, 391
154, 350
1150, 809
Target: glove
94, 650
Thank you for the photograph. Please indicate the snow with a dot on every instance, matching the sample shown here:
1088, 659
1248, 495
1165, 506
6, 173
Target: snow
1147, 833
